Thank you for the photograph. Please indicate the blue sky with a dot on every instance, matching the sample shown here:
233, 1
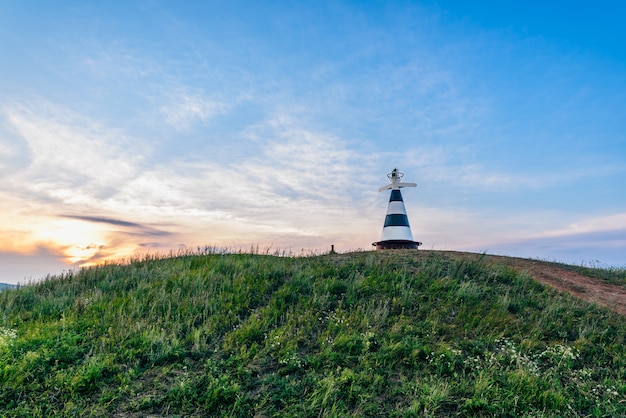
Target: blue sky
141, 126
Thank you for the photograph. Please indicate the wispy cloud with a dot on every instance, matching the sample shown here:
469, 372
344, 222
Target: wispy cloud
560, 236
113, 60
6, 150
458, 167
303, 161
298, 188
610, 224
184, 109
99, 219
298, 185
130, 228
73, 164
71, 159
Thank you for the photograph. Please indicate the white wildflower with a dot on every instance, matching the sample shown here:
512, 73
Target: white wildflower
7, 336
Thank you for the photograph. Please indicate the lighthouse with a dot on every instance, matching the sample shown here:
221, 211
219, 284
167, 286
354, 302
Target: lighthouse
396, 230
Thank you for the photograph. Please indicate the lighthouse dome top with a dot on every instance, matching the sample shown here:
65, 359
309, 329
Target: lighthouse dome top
395, 177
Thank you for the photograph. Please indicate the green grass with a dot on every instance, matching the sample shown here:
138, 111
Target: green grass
394, 334
610, 274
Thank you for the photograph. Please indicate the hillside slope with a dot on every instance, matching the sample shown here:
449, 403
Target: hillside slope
396, 333
606, 287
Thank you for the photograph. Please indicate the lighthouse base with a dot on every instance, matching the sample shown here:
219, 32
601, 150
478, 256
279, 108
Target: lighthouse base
397, 244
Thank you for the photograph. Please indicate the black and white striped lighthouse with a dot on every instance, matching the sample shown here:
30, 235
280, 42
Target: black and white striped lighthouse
396, 231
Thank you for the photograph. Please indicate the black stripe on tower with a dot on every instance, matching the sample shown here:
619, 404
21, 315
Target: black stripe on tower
396, 219
396, 196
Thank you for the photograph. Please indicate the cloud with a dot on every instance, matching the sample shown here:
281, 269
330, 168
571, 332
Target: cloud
72, 159
602, 223
6, 150
133, 228
184, 109
73, 164
113, 60
602, 238
103, 220
457, 167
298, 188
302, 162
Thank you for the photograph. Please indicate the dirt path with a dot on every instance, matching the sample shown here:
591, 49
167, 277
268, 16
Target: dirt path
591, 289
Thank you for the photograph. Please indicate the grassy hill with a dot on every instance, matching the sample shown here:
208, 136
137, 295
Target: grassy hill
395, 333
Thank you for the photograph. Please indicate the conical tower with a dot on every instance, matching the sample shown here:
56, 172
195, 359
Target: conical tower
396, 231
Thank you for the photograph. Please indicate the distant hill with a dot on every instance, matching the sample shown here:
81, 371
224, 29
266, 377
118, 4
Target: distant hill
6, 286
389, 333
